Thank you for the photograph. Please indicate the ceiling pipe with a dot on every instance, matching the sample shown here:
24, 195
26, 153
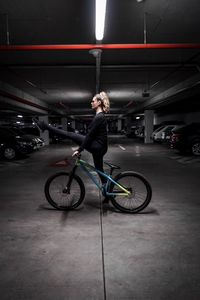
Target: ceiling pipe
97, 46
97, 54
20, 66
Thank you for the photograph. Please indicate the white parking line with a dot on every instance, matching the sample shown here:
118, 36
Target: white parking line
186, 159
121, 147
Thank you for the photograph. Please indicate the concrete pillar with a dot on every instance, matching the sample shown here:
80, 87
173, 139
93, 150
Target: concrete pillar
148, 125
64, 123
128, 124
45, 134
119, 125
73, 124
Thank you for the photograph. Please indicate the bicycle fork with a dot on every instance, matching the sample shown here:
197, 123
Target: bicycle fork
66, 190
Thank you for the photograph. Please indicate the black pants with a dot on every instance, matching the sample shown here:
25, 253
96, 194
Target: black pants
98, 151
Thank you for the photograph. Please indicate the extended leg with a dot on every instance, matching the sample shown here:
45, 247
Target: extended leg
98, 163
75, 137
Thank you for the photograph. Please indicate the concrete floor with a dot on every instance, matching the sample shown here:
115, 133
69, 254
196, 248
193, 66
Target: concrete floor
51, 255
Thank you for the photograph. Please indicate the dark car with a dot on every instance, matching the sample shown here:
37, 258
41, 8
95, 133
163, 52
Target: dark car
13, 145
139, 132
131, 132
187, 138
167, 133
37, 141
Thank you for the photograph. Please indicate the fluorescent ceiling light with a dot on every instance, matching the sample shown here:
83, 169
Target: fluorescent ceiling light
100, 18
137, 118
19, 116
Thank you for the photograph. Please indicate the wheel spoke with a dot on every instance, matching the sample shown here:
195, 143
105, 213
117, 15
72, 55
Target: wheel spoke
140, 192
55, 191
64, 199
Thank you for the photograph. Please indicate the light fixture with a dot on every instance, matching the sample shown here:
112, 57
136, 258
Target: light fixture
139, 0
137, 118
100, 18
19, 116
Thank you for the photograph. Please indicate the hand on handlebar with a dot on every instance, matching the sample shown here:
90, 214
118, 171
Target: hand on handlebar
76, 153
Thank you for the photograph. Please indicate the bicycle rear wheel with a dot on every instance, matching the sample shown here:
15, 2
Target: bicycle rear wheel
57, 194
139, 187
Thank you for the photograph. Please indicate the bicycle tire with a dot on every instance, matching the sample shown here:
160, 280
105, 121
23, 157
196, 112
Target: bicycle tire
55, 195
140, 188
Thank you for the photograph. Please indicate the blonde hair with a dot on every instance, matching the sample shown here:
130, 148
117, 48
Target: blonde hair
105, 101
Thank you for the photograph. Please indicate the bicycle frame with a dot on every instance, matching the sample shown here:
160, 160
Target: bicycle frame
87, 168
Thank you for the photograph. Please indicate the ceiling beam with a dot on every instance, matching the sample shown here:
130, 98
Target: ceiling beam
19, 99
166, 96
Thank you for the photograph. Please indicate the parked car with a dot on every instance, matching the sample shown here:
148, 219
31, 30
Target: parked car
186, 138
54, 139
159, 136
131, 132
37, 141
123, 132
156, 131
166, 133
139, 131
13, 145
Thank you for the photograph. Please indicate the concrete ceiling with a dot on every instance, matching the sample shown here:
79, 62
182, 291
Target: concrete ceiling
62, 82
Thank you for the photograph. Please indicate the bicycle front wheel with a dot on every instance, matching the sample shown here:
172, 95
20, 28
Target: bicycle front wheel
139, 188
57, 195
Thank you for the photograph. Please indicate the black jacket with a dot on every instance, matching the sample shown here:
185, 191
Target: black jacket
97, 134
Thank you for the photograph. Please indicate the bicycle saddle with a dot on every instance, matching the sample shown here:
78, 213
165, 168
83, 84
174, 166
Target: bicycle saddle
111, 165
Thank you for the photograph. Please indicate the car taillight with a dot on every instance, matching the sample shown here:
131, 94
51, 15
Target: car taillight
176, 137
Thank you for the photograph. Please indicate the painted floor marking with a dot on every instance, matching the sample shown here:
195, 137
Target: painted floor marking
121, 147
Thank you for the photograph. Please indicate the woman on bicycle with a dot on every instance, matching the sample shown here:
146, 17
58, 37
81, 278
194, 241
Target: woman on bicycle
96, 139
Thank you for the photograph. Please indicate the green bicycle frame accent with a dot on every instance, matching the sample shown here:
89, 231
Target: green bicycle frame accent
87, 168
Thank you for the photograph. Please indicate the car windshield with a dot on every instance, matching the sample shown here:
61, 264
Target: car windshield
159, 128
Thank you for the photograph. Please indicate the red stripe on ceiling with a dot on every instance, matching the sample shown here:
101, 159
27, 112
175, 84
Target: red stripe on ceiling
96, 46
21, 100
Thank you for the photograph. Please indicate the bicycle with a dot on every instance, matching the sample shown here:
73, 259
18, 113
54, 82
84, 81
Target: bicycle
128, 191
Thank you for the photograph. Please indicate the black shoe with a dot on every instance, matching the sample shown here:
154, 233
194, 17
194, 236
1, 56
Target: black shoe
39, 124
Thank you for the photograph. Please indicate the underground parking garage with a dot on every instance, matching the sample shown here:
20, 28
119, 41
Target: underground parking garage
147, 62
